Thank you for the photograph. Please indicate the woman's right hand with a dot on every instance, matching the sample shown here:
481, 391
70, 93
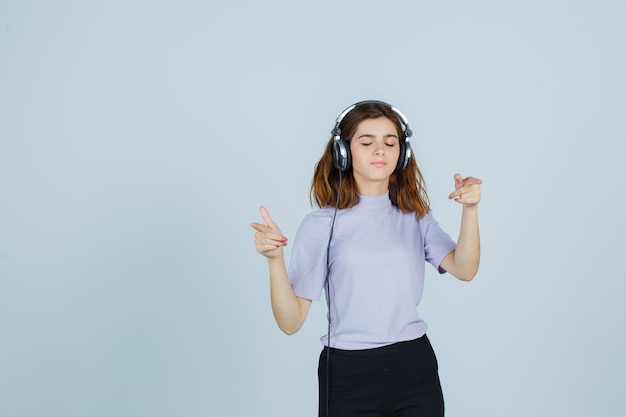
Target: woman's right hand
268, 238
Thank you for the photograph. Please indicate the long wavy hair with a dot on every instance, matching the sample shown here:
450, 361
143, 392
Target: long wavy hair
407, 188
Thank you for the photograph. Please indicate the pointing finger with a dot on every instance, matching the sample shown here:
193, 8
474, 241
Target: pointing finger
266, 232
260, 227
266, 217
472, 180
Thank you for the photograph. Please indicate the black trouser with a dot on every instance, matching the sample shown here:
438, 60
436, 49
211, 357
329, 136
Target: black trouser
392, 381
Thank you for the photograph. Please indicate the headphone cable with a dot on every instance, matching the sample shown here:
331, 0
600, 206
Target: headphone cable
332, 228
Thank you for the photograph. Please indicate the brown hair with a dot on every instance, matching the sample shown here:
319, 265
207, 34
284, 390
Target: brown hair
407, 188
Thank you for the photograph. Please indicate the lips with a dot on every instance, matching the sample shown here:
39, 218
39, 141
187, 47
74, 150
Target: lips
379, 164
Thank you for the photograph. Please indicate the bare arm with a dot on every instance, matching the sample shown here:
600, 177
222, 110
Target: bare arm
463, 262
289, 310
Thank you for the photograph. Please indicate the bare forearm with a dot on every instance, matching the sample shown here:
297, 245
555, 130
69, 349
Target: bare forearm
285, 305
467, 253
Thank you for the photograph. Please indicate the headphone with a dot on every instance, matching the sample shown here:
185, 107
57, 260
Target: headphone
342, 158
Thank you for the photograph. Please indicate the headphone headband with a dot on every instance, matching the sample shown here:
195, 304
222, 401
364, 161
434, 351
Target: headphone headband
404, 122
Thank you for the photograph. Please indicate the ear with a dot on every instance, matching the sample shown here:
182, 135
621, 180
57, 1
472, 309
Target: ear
342, 159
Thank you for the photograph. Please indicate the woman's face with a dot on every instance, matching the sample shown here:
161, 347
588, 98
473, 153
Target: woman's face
375, 148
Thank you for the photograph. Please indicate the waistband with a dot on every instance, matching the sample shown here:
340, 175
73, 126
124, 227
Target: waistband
380, 351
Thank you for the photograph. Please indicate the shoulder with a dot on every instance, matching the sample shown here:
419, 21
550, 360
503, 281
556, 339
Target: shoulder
316, 222
312, 234
319, 216
427, 223
427, 218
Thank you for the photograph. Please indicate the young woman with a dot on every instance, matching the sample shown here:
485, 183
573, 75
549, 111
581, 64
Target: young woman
366, 248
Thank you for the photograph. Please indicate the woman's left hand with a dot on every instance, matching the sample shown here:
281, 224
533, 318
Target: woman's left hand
467, 190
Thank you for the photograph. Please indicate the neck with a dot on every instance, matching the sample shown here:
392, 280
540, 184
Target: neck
373, 189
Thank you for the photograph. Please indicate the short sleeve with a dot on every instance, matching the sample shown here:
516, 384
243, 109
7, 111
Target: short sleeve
437, 243
307, 265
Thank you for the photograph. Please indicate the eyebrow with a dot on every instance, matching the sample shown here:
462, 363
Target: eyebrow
368, 135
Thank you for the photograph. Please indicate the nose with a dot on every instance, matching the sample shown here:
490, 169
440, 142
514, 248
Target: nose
380, 149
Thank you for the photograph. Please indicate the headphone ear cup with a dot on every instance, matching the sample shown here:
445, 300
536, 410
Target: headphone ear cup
341, 155
405, 155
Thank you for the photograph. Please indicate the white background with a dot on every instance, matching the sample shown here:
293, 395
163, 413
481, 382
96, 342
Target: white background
138, 139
